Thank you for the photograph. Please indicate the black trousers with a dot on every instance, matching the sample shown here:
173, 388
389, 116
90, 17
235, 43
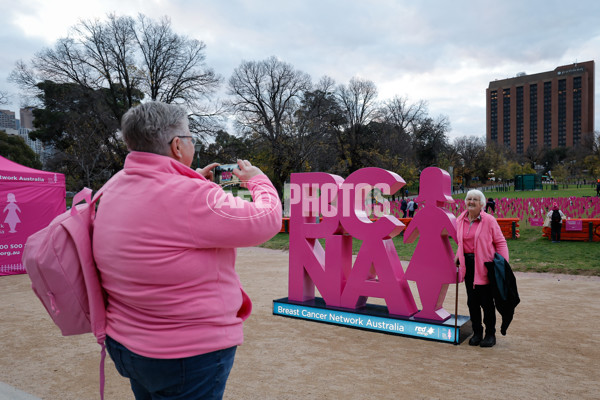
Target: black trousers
555, 231
479, 297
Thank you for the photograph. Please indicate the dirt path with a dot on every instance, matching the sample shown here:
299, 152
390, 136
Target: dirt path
551, 350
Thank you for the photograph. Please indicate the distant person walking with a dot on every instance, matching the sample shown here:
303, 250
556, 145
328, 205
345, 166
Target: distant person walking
490, 205
403, 207
598, 188
412, 206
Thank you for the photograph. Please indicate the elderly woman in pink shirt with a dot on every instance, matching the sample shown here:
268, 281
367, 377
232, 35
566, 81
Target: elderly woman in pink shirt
165, 239
479, 238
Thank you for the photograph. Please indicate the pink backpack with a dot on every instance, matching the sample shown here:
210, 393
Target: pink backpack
60, 264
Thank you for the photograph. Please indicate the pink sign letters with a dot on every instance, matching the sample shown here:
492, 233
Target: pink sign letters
344, 208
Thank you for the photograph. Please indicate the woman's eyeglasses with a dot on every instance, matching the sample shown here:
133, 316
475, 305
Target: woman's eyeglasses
194, 139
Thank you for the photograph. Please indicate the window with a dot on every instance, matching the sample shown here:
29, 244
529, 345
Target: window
506, 117
562, 112
519, 118
548, 114
494, 116
533, 116
576, 110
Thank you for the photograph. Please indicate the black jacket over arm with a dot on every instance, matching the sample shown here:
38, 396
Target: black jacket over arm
504, 286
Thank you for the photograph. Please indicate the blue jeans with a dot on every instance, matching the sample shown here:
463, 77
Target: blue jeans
198, 377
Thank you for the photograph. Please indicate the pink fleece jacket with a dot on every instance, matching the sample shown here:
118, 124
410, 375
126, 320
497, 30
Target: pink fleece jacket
164, 243
488, 241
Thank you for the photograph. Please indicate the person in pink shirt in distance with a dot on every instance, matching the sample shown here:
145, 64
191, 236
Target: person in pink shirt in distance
165, 239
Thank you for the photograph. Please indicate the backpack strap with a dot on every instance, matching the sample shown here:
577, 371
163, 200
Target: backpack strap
101, 328
102, 359
84, 194
81, 227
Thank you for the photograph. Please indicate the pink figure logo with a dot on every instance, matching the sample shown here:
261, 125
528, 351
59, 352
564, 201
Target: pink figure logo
432, 265
12, 218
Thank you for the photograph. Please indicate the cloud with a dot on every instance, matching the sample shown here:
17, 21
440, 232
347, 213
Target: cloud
445, 53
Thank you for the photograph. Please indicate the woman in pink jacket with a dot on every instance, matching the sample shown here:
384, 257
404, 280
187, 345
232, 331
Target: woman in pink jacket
479, 238
165, 241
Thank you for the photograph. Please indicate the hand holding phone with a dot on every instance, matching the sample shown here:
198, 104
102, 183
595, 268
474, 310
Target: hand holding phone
207, 171
245, 171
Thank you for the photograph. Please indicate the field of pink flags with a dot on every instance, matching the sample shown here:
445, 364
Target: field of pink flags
530, 208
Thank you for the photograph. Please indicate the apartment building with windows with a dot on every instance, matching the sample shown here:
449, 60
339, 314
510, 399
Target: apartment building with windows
7, 119
548, 109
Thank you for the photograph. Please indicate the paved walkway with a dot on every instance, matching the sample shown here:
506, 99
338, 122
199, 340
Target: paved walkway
8, 392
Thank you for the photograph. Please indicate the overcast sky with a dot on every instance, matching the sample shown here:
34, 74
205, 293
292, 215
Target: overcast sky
444, 52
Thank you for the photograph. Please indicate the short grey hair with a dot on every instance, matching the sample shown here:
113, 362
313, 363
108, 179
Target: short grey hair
150, 126
476, 193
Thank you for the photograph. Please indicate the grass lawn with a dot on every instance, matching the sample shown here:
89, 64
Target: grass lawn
530, 252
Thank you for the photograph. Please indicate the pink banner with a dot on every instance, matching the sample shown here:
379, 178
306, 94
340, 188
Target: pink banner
573, 225
536, 221
29, 200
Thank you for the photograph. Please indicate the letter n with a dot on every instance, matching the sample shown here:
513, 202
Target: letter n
308, 264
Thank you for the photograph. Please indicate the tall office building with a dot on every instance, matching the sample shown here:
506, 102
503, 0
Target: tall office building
26, 117
549, 109
7, 119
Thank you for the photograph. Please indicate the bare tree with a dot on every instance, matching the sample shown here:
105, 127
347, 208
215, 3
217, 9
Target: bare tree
24, 76
399, 117
265, 96
173, 67
173, 70
399, 113
358, 102
127, 56
4, 97
122, 60
109, 50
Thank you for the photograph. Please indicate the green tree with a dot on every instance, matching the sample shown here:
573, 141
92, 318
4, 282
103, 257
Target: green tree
226, 149
592, 163
319, 118
552, 157
81, 125
430, 140
470, 150
560, 173
15, 149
